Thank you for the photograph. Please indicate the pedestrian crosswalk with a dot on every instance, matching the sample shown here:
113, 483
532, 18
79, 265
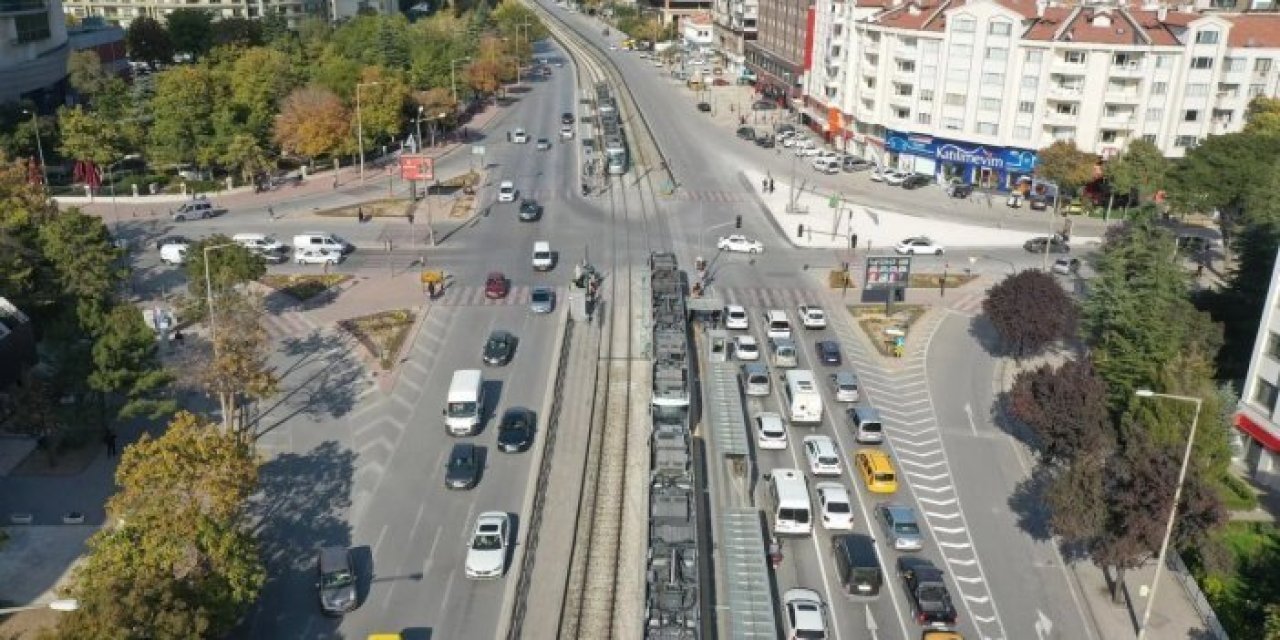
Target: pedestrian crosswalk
474, 296
766, 297
711, 196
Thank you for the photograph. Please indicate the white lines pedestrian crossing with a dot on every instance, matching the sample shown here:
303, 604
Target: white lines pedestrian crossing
475, 297
766, 298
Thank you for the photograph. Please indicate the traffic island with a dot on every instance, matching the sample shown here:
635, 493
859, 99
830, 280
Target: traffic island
935, 280
382, 334
384, 208
887, 330
303, 288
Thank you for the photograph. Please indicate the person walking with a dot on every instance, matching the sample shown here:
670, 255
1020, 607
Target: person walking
109, 439
271, 212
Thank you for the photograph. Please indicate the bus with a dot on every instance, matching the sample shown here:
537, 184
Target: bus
804, 402
789, 508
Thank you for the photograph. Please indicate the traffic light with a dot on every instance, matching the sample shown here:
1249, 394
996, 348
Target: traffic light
737, 222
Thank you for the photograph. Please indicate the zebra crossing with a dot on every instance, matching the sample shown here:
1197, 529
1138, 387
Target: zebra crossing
474, 296
767, 297
711, 196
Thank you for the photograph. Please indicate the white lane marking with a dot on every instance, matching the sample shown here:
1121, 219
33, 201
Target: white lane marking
931, 478
381, 534
950, 530
936, 489
968, 579
955, 545
922, 465
968, 412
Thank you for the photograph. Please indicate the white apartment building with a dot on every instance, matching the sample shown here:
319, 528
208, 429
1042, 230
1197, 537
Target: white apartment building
33, 51
1257, 419
735, 25
122, 12
972, 88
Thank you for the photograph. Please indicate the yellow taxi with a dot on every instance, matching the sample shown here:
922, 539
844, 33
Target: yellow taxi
941, 634
876, 470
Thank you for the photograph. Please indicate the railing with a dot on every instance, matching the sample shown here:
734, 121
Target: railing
1178, 569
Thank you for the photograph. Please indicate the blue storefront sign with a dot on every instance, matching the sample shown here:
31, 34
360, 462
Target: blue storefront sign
998, 166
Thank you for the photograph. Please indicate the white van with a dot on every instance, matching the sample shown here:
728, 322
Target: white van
542, 258
465, 403
776, 324
789, 506
257, 242
804, 402
173, 254
320, 240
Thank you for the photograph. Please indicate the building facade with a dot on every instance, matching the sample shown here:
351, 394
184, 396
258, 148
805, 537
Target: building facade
780, 52
123, 12
33, 52
971, 88
1257, 418
735, 26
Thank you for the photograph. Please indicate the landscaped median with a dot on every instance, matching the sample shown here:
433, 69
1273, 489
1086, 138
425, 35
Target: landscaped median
304, 288
382, 333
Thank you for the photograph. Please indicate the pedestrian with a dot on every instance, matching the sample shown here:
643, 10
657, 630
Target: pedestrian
771, 189
1199, 270
360, 214
764, 185
109, 439
271, 212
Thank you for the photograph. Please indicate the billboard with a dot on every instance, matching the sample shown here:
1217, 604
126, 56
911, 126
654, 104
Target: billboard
887, 272
417, 167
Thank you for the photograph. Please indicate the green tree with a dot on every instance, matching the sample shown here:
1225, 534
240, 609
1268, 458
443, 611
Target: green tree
85, 263
89, 136
26, 278
382, 105
127, 370
1066, 165
179, 559
1220, 172
230, 265
238, 370
246, 157
337, 74
258, 80
1141, 167
85, 72
182, 128
1263, 116
148, 41
191, 31
237, 32
313, 122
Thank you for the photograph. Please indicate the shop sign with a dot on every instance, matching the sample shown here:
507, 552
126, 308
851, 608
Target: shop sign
943, 150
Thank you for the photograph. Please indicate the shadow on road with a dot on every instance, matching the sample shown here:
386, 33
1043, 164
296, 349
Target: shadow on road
985, 335
1028, 505
332, 384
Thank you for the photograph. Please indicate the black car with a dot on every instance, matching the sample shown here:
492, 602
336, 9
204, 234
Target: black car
530, 210
828, 352
515, 431
336, 580
499, 348
1038, 203
783, 128
930, 601
704, 107
960, 190
1056, 245
463, 471
916, 181
766, 142
746, 133
566, 118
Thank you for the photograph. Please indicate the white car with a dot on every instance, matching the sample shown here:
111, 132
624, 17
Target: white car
740, 244
823, 458
828, 153
878, 174
812, 317
806, 148
519, 136
316, 255
746, 348
806, 614
735, 317
487, 553
919, 244
771, 433
827, 165
837, 510
793, 140
506, 191
896, 178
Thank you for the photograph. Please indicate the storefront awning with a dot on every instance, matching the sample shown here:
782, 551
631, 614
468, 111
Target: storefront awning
1258, 432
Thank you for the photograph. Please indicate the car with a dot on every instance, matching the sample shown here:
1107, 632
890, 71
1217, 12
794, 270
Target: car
766, 142
739, 244
820, 451
806, 615
566, 118
896, 178
828, 352
1066, 266
959, 190
792, 141
836, 508
876, 470
198, 208
313, 255
174, 253
506, 191
182, 240
851, 164
806, 148
516, 429
566, 132
771, 432
499, 348
918, 244
542, 299
463, 469
900, 525
1037, 203
746, 133
763, 105
930, 601
704, 107
335, 580
735, 317
879, 174
487, 552
845, 386
519, 136
496, 286
785, 128
827, 165
530, 210
1055, 244
785, 134
543, 144
915, 181
746, 348
812, 317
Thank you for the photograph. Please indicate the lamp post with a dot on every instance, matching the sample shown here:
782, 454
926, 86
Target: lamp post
417, 123
360, 125
453, 78
1173, 507
55, 605
44, 171
1049, 239
208, 292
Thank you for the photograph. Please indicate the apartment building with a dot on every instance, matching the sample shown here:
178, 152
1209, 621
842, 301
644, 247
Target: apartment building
972, 88
735, 25
33, 52
122, 12
780, 52
1258, 444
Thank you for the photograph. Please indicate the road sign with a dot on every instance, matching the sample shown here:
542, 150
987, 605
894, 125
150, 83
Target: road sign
416, 167
887, 272
477, 149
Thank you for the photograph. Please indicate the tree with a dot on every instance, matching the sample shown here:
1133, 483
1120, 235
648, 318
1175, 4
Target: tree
179, 559
1066, 408
246, 157
147, 40
382, 105
1271, 628
1065, 165
85, 72
238, 370
84, 259
1219, 172
1141, 167
126, 362
237, 32
26, 278
182, 109
1239, 305
230, 265
89, 136
259, 79
1030, 312
313, 122
191, 31
1263, 116
488, 66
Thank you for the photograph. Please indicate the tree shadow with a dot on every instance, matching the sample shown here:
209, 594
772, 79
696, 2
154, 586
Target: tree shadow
1004, 421
329, 391
301, 505
1028, 505
981, 330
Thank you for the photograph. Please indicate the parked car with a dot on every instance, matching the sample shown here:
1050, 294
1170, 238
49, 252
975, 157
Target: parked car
704, 107
826, 165
739, 244
499, 348
336, 580
1056, 244
785, 128
312, 255
766, 141
516, 429
763, 105
1066, 266
463, 469
915, 181
196, 209
919, 244
746, 133
496, 286
878, 174
488, 550
961, 190
852, 164
896, 178
1037, 203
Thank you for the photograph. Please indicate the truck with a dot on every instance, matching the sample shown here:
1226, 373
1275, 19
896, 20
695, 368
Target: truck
930, 601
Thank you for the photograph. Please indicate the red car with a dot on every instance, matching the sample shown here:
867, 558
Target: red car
496, 286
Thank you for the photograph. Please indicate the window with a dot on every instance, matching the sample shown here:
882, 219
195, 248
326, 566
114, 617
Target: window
1191, 115
1124, 60
999, 28
989, 104
1256, 90
909, 43
1197, 90
1067, 108
961, 52
1233, 64
31, 28
993, 79
1155, 114
1026, 106
1273, 345
1034, 56
1149, 137
926, 95
988, 129
1223, 115
1207, 37
958, 75
1262, 65
997, 54
1164, 61
1203, 62
962, 24
955, 100
1159, 88
1030, 82
1022, 133
1073, 57
952, 124
1264, 393
901, 113
906, 66
1228, 90
923, 118
1184, 142
904, 90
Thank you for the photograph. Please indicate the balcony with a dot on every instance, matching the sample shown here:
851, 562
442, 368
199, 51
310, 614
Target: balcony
1053, 116
1068, 92
1122, 96
23, 6
1131, 69
1122, 121
1062, 63
901, 52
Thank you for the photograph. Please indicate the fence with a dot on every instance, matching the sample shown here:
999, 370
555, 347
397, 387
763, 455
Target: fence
1179, 571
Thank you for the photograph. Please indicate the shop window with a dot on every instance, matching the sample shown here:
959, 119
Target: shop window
1264, 395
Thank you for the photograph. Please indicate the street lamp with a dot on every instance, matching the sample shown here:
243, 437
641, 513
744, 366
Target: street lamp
453, 78
208, 292
44, 171
360, 125
1173, 507
55, 605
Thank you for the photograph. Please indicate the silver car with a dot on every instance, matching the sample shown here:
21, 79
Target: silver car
845, 385
542, 300
900, 524
487, 554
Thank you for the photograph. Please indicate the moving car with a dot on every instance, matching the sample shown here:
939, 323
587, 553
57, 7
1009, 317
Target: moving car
746, 348
542, 299
837, 510
771, 433
515, 430
896, 178
487, 553
311, 255
826, 164
828, 352
496, 286
499, 348
735, 317
1056, 244
876, 470
463, 468
851, 164
196, 209
900, 525
519, 136
543, 144
820, 452
918, 244
566, 132
506, 191
812, 317
704, 107
915, 181
566, 118
530, 210
959, 190
806, 148
766, 142
845, 386
739, 244
930, 601
1066, 266
805, 614
336, 580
